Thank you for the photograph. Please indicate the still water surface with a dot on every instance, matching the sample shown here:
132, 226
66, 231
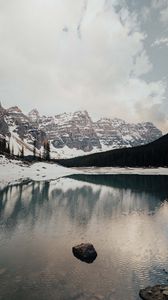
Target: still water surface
124, 216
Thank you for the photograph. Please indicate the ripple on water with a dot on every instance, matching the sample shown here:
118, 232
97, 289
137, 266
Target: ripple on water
125, 219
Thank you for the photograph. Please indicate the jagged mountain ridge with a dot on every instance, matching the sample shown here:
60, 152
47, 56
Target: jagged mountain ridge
75, 133
17, 127
77, 130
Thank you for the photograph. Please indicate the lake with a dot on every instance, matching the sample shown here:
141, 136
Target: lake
124, 216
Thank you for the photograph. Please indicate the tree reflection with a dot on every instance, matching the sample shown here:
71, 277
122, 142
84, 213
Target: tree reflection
97, 196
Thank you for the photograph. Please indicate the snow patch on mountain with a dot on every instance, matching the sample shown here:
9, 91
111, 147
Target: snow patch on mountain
71, 134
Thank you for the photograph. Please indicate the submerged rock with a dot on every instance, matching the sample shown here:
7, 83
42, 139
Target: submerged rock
85, 252
157, 292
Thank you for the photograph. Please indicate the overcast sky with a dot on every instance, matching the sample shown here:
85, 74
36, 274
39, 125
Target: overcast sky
109, 57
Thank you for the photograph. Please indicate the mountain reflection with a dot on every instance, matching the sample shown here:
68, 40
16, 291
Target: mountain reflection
123, 216
81, 198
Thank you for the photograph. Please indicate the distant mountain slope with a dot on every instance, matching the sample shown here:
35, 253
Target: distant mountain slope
77, 131
151, 155
71, 134
18, 128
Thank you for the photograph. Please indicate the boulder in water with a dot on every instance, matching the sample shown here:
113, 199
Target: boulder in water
85, 252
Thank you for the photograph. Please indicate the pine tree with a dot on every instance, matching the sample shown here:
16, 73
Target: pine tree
40, 156
12, 151
46, 152
22, 152
3, 145
8, 148
34, 148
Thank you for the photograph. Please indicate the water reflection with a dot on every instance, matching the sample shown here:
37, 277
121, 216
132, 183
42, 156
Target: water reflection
124, 216
80, 201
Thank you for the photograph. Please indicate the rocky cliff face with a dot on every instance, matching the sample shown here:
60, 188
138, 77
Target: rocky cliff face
4, 130
72, 130
77, 131
74, 134
34, 116
20, 129
116, 133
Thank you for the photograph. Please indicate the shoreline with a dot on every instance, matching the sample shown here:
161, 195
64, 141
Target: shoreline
12, 171
127, 170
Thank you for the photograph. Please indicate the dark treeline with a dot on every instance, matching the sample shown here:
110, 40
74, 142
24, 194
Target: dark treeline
46, 151
8, 150
4, 146
154, 154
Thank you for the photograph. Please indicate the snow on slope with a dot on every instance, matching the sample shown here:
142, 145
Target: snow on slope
117, 170
12, 171
15, 170
71, 134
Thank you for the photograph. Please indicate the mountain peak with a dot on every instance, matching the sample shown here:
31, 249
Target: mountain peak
81, 112
76, 131
14, 109
34, 115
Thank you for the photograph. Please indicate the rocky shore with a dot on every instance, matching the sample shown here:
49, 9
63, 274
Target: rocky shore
157, 292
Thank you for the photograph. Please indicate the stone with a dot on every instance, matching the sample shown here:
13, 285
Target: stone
157, 292
85, 252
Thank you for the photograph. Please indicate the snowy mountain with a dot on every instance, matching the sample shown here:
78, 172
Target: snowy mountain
72, 134
18, 128
116, 133
72, 130
153, 155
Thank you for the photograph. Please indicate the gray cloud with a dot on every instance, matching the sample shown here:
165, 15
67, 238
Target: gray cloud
155, 112
65, 55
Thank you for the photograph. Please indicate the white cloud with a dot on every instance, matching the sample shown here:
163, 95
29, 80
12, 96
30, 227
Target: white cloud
57, 70
142, 64
160, 42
